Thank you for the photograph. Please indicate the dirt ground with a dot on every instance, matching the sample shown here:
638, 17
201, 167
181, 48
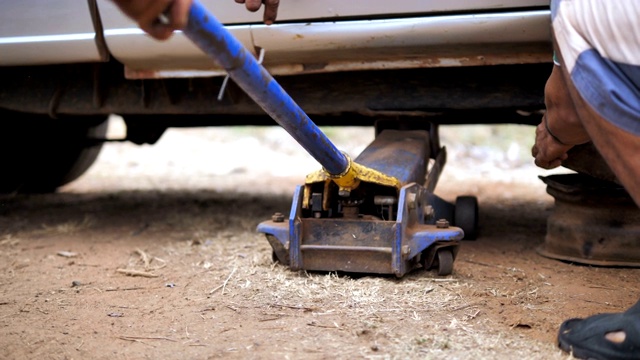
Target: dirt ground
184, 212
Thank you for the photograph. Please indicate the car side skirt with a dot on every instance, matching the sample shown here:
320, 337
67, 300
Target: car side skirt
519, 37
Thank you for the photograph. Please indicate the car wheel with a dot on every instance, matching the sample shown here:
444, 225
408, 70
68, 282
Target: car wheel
39, 154
466, 216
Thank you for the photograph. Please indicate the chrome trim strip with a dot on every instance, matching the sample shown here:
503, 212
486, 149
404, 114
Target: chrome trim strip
124, 31
45, 38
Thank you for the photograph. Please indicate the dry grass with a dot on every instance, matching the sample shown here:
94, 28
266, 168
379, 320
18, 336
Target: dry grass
418, 317
69, 227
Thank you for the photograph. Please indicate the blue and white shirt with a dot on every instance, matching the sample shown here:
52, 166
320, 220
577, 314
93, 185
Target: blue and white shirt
599, 43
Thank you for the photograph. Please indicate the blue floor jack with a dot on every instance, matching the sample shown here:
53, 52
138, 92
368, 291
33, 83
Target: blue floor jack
374, 214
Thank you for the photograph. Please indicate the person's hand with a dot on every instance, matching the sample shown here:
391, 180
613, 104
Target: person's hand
147, 12
548, 151
560, 128
270, 8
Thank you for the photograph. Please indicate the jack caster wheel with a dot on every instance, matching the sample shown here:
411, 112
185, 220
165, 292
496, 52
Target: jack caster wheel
466, 216
445, 262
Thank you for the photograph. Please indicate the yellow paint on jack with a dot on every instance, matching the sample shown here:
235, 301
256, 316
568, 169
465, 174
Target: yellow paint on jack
349, 180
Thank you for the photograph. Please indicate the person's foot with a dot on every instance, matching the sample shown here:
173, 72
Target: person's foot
603, 336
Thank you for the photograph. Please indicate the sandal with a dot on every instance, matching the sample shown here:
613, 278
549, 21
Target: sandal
587, 338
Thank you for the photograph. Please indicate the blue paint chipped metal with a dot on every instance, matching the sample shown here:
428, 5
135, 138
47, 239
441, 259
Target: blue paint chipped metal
361, 245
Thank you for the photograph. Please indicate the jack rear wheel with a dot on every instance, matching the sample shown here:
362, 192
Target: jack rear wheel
445, 261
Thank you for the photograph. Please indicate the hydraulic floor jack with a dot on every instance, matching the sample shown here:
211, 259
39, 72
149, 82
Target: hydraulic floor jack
374, 214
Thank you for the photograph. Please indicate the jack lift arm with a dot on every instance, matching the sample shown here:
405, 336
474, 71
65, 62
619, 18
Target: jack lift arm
368, 215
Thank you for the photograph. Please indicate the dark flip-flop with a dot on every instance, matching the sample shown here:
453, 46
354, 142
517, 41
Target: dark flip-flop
585, 338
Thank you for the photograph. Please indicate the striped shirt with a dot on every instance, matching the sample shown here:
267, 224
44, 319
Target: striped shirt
599, 43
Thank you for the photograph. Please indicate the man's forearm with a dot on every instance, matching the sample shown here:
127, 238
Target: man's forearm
561, 119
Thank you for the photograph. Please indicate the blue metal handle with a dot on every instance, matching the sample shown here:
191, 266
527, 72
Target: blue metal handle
212, 37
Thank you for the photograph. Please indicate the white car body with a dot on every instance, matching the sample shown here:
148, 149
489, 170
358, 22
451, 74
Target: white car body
69, 64
310, 36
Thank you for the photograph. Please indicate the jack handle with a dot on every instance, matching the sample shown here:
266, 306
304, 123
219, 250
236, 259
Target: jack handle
217, 42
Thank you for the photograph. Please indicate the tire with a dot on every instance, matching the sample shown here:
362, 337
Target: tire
40, 154
466, 216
